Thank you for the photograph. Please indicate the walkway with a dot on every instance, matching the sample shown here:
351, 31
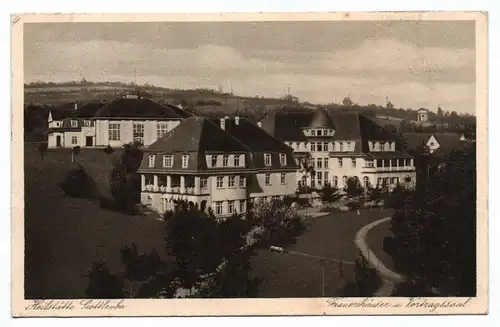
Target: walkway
389, 277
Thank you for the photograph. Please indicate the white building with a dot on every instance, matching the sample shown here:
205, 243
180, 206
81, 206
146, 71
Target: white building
422, 115
342, 146
224, 165
121, 121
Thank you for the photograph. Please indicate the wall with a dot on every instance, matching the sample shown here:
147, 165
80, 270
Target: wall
258, 187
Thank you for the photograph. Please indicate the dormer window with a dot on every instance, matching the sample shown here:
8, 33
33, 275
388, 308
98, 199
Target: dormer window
320, 132
214, 161
151, 161
185, 161
267, 159
74, 123
168, 161
86, 123
313, 132
225, 161
283, 159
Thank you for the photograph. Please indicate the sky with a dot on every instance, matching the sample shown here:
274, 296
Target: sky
415, 64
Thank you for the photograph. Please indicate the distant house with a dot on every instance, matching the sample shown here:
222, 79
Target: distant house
131, 118
435, 142
422, 115
219, 164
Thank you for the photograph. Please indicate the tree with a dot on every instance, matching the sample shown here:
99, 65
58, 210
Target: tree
347, 102
353, 187
440, 112
435, 230
329, 194
390, 105
102, 284
42, 149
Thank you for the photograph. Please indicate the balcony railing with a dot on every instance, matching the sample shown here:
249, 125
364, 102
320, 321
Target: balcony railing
189, 190
389, 169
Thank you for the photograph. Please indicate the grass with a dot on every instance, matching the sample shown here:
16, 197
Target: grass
63, 236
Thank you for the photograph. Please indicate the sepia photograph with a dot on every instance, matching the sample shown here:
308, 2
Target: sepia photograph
265, 158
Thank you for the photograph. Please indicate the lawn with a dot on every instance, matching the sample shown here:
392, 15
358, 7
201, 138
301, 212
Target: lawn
64, 235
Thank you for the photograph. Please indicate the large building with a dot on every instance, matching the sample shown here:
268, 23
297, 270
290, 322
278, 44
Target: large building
219, 164
341, 146
124, 120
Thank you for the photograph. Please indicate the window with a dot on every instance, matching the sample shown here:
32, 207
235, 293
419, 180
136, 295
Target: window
220, 182
325, 146
313, 146
242, 205
335, 181
366, 182
203, 183
395, 180
346, 146
325, 163
313, 132
283, 159
114, 131
243, 181
231, 181
168, 161
225, 161
283, 178
218, 208
161, 130
74, 140
151, 161
185, 161
319, 175
369, 163
326, 177
379, 181
319, 163
74, 123
319, 146
341, 146
341, 163
86, 123
230, 207
344, 181
268, 179
138, 133
320, 132
267, 159
237, 160
353, 161
214, 161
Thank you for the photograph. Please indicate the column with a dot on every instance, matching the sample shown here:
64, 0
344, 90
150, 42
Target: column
143, 182
155, 183
411, 162
197, 185
183, 185
169, 183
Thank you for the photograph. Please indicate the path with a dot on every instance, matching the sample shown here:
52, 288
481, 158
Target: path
389, 277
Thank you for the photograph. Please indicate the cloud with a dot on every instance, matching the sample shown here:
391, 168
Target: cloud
411, 76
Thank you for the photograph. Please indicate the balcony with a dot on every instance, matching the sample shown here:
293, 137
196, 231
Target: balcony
387, 169
189, 190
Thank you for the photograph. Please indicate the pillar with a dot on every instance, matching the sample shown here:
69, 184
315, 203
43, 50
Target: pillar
155, 180
183, 185
143, 182
169, 183
197, 185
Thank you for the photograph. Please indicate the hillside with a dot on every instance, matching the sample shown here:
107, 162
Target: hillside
40, 97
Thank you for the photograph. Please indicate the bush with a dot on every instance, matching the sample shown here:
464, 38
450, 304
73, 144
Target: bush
79, 184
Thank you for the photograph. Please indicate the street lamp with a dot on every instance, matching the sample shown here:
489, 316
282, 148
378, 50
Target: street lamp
323, 260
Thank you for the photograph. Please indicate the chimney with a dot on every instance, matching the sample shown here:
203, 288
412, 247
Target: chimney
76, 105
259, 124
223, 123
237, 120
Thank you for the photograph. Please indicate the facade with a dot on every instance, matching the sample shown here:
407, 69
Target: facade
121, 121
342, 146
222, 164
423, 115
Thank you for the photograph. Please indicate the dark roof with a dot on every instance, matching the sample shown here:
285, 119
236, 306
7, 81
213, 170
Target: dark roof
181, 112
416, 140
59, 114
320, 119
447, 141
198, 136
88, 110
287, 126
137, 108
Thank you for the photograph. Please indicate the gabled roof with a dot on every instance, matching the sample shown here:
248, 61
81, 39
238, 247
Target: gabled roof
137, 108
